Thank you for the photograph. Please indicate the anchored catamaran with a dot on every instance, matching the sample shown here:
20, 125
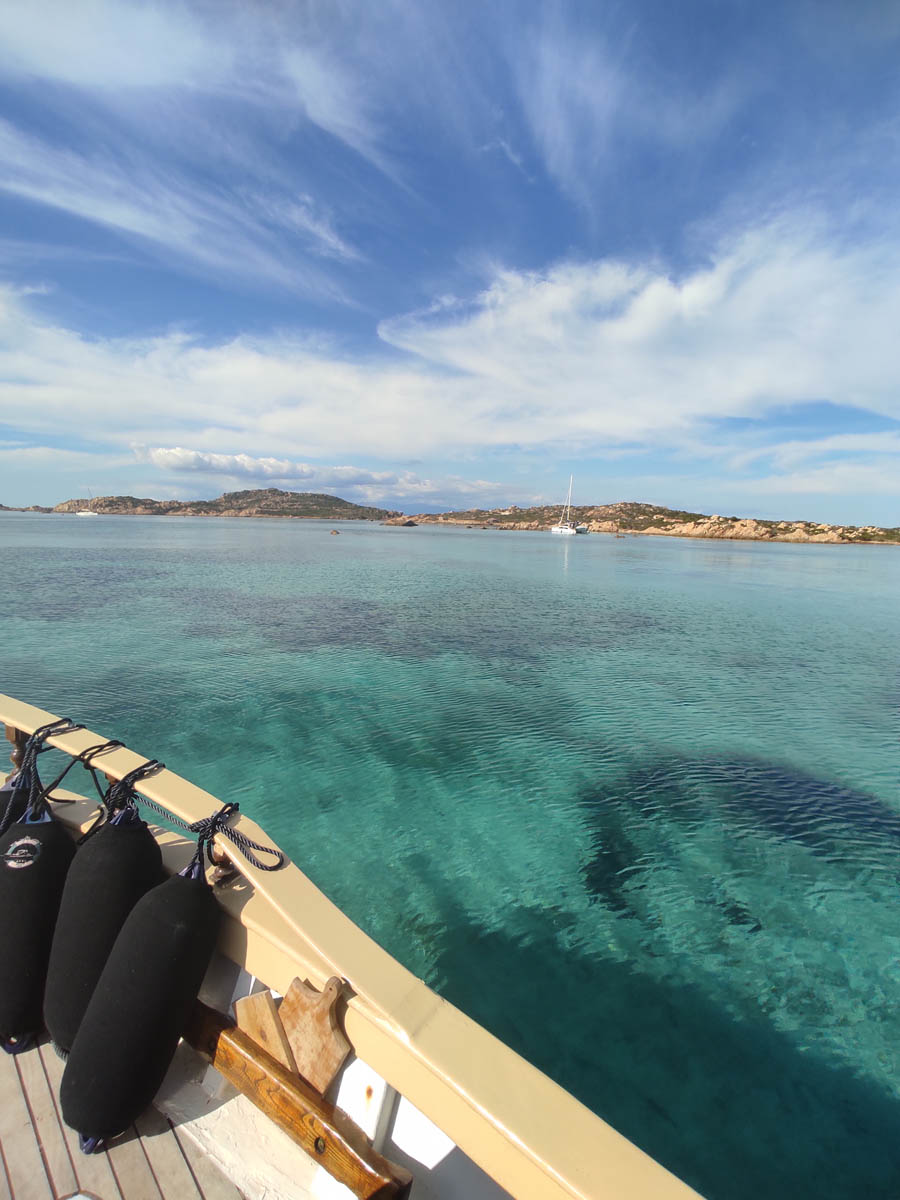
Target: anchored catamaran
89, 511
565, 525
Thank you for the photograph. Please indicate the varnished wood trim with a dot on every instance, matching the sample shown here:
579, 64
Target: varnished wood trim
327, 1135
18, 739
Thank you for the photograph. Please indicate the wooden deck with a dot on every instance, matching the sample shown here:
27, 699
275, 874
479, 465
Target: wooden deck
40, 1159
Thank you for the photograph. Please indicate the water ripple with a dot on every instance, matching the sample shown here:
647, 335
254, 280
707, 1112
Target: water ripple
632, 804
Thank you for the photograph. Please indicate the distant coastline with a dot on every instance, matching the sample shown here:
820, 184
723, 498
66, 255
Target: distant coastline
635, 519
260, 502
623, 518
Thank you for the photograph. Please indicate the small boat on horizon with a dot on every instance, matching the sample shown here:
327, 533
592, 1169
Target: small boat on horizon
89, 511
565, 525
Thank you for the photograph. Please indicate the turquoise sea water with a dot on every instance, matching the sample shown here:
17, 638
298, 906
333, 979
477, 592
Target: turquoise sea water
631, 803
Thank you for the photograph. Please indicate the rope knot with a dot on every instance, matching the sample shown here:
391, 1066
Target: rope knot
120, 799
27, 775
208, 827
118, 802
121, 794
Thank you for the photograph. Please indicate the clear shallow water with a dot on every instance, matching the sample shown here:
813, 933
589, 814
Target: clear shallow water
631, 803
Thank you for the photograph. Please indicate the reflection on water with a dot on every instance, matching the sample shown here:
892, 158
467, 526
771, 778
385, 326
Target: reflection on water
630, 802
565, 546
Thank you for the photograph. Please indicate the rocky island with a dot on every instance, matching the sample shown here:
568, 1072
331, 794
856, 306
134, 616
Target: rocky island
624, 517
262, 502
628, 517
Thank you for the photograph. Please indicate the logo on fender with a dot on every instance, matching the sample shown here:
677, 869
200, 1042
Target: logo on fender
22, 853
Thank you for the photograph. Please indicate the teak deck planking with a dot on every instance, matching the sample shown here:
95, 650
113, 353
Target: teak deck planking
40, 1159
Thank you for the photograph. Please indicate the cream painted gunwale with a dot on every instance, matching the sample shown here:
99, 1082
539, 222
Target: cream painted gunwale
526, 1132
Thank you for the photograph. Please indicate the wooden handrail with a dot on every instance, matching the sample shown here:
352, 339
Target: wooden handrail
327, 1135
533, 1138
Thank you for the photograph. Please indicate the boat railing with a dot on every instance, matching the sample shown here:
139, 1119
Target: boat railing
530, 1135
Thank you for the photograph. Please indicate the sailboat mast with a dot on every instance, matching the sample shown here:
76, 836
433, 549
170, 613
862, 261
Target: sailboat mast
569, 499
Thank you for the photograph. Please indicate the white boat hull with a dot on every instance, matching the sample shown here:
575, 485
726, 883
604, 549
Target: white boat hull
565, 525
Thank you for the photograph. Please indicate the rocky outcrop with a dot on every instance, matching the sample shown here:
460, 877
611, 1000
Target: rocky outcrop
632, 518
748, 529
264, 502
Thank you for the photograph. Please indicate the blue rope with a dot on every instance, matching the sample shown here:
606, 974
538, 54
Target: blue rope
27, 774
86, 758
208, 827
122, 795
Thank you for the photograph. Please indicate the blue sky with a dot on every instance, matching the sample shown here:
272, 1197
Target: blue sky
430, 255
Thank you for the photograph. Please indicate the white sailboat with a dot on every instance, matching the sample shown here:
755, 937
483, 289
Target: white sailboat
565, 525
89, 511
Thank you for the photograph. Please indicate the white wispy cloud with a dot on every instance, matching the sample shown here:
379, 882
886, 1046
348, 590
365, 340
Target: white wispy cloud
177, 458
584, 95
151, 202
19, 251
107, 44
577, 359
570, 91
301, 214
56, 457
189, 129
176, 473
593, 351
290, 65
861, 476
358, 482
170, 129
512, 156
112, 48
795, 452
332, 98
